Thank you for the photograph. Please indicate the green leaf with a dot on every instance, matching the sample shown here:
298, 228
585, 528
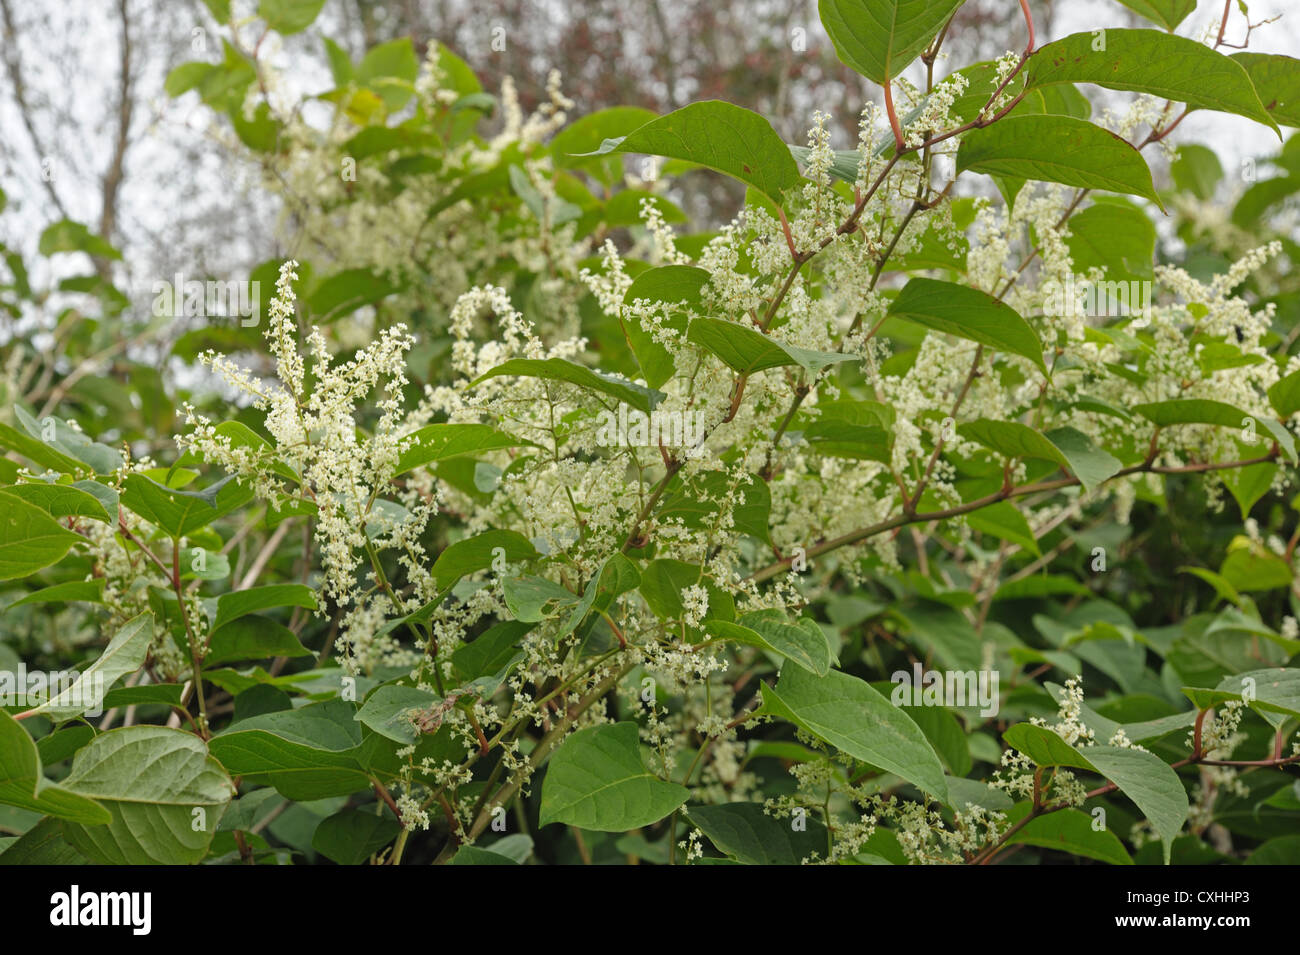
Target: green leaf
1197, 170
744, 832
39, 452
394, 60
29, 538
180, 513
1061, 149
472, 855
234, 605
1090, 464
597, 780
1012, 440
388, 711
677, 286
584, 136
68, 236
800, 641
158, 784
721, 136
697, 502
1284, 395
307, 753
561, 369
1167, 13
346, 291
847, 713
61, 500
860, 430
478, 553
747, 350
350, 837
1147, 61
968, 313
879, 38
125, 653
1176, 411
90, 591
1150, 783
1068, 830
289, 16
23, 783
1277, 81
252, 637
442, 442
1004, 521
1142, 776
1115, 237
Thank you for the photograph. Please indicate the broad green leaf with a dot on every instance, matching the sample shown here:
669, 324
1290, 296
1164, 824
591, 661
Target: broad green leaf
800, 641
252, 637
234, 605
747, 350
1284, 395
125, 653
1176, 411
968, 313
389, 709
698, 502
1044, 747
1150, 783
861, 430
1089, 463
744, 832
61, 500
472, 855
1068, 830
1012, 440
1249, 484
29, 538
1115, 237
1147, 61
155, 782
584, 136
847, 713
1277, 81
879, 38
1167, 13
351, 836
479, 553
441, 442
1271, 691
37, 451
1061, 149
308, 753
23, 783
43, 844
385, 63
1142, 776
678, 287
346, 291
289, 16
68, 236
91, 591
180, 513
561, 369
1004, 521
721, 136
1197, 170
597, 780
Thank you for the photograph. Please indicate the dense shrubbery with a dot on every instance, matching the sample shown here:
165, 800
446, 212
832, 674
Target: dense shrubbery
898, 520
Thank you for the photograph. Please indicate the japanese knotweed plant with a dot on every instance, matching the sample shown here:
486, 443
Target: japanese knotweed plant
793, 542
